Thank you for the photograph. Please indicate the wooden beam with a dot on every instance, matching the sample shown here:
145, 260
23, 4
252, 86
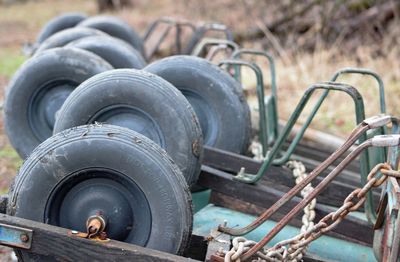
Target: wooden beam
57, 244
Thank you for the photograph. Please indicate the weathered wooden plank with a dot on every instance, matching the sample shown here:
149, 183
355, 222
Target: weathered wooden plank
56, 244
263, 196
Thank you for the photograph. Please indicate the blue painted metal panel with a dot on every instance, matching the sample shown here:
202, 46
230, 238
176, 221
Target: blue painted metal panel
15, 236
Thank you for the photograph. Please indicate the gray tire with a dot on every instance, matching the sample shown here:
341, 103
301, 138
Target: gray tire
115, 27
215, 96
58, 23
39, 88
66, 36
105, 168
144, 103
115, 51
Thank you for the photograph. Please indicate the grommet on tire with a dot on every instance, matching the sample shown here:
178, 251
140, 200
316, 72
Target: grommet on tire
143, 102
66, 36
105, 171
58, 23
115, 27
115, 51
215, 96
39, 88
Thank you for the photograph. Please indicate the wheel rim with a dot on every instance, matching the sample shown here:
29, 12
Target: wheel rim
132, 118
45, 104
102, 192
206, 115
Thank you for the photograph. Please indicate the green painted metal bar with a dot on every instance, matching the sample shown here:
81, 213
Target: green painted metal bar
375, 155
359, 106
362, 71
326, 247
211, 41
260, 95
272, 102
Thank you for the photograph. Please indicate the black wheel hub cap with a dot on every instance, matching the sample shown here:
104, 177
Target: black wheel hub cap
101, 192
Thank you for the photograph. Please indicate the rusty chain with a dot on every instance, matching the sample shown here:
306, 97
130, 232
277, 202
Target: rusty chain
291, 249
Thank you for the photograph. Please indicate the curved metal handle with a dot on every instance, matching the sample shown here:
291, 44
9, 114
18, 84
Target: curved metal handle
359, 106
213, 41
363, 71
272, 120
260, 95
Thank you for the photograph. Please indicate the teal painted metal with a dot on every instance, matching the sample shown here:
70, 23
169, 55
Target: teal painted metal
200, 199
325, 247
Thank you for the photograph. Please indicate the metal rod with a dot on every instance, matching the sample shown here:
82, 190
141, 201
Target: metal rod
356, 133
272, 120
270, 157
323, 184
260, 95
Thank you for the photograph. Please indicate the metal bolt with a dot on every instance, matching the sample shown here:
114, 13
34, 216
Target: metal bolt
103, 235
24, 238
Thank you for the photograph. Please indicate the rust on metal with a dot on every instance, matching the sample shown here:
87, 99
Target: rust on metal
95, 226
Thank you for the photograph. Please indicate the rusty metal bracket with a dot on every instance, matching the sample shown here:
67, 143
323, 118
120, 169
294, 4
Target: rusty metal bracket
95, 226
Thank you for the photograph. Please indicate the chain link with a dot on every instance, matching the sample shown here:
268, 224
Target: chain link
292, 249
240, 244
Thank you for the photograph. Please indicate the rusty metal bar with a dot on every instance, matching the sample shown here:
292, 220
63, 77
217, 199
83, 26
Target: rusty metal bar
370, 123
383, 141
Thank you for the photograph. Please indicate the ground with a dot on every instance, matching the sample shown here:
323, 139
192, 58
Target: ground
20, 23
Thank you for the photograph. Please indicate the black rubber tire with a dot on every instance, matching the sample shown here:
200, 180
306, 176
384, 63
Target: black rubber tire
43, 190
66, 36
215, 96
58, 70
115, 51
58, 23
145, 103
115, 27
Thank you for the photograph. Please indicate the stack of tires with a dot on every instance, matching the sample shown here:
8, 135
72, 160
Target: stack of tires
101, 132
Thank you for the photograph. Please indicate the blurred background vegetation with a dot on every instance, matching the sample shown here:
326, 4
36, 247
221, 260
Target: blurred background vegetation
310, 40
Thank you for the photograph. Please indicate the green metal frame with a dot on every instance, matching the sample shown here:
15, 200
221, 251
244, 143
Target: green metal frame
272, 154
264, 134
271, 101
212, 42
269, 121
375, 155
